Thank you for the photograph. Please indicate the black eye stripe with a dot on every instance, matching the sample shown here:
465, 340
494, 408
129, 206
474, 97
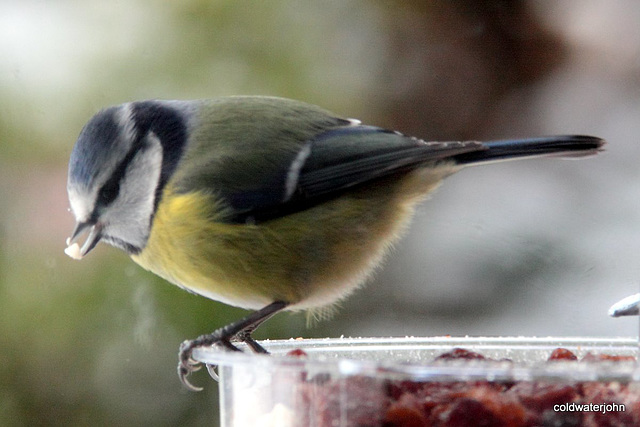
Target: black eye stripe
108, 193
111, 189
167, 125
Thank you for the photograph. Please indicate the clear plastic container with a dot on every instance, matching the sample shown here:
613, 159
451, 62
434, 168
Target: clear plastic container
397, 381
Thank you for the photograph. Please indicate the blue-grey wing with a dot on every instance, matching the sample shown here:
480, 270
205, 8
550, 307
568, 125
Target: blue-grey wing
334, 161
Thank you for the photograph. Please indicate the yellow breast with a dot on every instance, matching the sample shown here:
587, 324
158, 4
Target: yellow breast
311, 258
189, 248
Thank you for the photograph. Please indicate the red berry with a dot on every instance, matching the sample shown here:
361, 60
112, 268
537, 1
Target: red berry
562, 354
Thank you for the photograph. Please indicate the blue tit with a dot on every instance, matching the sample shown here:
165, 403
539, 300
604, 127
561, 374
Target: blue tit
263, 203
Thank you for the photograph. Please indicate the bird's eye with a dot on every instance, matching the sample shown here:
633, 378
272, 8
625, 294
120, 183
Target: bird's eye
108, 193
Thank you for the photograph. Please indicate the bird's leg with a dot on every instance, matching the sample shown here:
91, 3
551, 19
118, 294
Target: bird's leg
245, 334
237, 331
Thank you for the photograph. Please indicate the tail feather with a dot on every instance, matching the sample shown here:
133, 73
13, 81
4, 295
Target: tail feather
561, 146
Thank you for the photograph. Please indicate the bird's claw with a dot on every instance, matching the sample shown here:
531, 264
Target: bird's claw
186, 364
212, 372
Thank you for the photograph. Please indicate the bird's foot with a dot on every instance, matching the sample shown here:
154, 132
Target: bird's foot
222, 338
186, 363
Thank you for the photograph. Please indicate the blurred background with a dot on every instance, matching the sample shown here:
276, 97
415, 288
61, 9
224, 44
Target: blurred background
540, 247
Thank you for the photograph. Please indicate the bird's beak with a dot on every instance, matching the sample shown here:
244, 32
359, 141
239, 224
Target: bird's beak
95, 234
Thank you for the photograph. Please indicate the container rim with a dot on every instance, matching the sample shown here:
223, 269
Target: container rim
356, 356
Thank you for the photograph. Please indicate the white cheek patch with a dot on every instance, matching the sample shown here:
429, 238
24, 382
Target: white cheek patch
129, 217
